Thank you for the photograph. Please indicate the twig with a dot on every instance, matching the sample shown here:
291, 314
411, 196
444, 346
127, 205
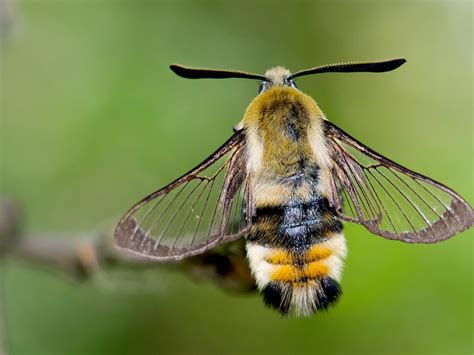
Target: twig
81, 256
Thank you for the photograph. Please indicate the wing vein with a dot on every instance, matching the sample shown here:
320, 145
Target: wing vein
191, 209
170, 222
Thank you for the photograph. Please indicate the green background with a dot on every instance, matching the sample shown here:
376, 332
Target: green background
93, 119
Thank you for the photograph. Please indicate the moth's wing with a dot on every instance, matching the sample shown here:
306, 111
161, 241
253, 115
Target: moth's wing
209, 205
388, 199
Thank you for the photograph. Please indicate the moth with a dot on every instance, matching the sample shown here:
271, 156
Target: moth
286, 180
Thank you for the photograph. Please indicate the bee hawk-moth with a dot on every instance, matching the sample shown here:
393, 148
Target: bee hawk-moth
286, 180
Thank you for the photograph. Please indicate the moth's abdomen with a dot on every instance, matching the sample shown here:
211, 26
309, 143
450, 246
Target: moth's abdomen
296, 246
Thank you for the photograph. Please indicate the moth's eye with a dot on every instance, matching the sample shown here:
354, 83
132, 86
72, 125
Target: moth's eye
263, 86
290, 83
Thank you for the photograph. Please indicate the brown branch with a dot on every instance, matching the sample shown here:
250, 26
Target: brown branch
81, 256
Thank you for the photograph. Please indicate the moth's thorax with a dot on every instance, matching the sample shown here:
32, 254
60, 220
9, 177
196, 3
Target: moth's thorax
284, 134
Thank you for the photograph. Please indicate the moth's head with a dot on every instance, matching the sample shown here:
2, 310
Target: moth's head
277, 76
280, 76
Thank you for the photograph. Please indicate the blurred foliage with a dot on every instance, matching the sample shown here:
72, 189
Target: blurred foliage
92, 120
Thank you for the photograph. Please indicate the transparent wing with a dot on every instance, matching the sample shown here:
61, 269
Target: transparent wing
201, 209
388, 199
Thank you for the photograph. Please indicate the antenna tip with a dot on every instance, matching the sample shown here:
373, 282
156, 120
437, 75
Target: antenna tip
399, 62
175, 68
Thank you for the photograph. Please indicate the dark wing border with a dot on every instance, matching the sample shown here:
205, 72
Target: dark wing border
127, 224
459, 216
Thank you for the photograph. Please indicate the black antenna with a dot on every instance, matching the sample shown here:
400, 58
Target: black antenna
203, 73
352, 67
